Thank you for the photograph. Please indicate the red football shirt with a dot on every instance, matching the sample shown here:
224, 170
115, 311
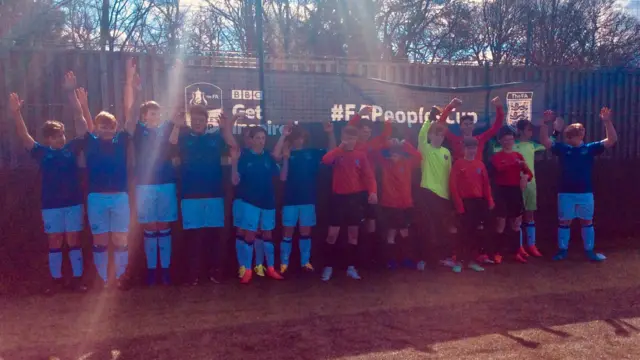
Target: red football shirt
509, 168
397, 177
351, 171
468, 180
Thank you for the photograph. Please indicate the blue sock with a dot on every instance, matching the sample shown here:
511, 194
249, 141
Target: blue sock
75, 255
520, 236
564, 233
55, 263
258, 245
305, 251
588, 237
285, 250
531, 233
240, 249
101, 259
269, 251
247, 252
121, 260
151, 248
164, 243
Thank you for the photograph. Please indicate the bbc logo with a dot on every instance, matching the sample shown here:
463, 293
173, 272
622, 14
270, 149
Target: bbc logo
246, 95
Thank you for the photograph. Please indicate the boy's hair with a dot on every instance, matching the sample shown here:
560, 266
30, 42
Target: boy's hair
506, 131
349, 131
148, 105
51, 128
105, 118
437, 129
522, 124
297, 132
254, 130
198, 110
435, 111
464, 118
470, 142
574, 130
365, 123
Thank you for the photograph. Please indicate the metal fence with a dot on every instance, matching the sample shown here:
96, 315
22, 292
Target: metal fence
36, 75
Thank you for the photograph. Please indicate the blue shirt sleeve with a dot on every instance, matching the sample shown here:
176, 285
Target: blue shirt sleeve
596, 148
38, 151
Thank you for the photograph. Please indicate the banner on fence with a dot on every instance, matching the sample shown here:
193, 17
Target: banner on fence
308, 98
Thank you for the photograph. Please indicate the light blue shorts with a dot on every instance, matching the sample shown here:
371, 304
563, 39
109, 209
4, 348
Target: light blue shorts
202, 213
305, 214
236, 207
108, 212
571, 206
253, 218
62, 220
156, 203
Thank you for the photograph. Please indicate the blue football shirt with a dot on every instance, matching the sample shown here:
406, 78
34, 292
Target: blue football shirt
107, 162
256, 179
153, 154
201, 169
576, 165
302, 178
59, 169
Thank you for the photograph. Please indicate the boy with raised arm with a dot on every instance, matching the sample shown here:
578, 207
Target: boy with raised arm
511, 177
300, 191
353, 182
467, 125
397, 161
575, 198
252, 173
106, 151
433, 194
471, 194
202, 192
155, 177
62, 209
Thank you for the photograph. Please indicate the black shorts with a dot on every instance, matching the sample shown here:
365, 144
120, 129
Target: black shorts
397, 218
509, 202
347, 209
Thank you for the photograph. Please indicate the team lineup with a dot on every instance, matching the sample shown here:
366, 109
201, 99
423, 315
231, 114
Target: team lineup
472, 212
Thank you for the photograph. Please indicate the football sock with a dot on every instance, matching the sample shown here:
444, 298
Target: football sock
352, 255
164, 243
121, 260
55, 263
75, 255
329, 254
285, 250
531, 233
101, 260
258, 246
240, 248
588, 237
305, 250
564, 233
269, 251
247, 254
151, 248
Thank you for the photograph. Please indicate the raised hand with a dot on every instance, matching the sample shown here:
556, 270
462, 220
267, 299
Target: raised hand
15, 104
365, 111
287, 129
605, 114
82, 96
496, 101
548, 116
179, 118
558, 124
69, 83
328, 127
455, 103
